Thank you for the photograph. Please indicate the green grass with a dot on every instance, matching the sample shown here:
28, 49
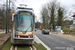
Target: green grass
7, 46
39, 46
3, 34
0, 48
23, 47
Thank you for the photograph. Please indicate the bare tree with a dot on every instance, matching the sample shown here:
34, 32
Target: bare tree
52, 8
11, 9
44, 15
2, 16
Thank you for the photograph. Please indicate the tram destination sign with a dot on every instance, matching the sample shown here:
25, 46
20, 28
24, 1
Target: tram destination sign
24, 13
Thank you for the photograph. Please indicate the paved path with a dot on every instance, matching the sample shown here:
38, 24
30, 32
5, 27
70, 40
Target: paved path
2, 32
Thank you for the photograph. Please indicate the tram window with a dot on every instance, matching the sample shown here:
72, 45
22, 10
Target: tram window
24, 13
24, 23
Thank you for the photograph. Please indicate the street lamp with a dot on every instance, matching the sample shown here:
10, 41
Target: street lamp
6, 14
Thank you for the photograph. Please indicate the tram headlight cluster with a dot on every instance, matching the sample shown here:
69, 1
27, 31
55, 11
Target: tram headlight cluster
24, 36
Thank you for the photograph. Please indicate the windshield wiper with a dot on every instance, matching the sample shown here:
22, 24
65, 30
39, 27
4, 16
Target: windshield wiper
28, 28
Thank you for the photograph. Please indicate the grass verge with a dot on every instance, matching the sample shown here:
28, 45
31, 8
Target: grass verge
23, 47
3, 34
39, 46
7, 46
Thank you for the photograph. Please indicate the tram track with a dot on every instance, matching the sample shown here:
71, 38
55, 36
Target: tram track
14, 47
32, 47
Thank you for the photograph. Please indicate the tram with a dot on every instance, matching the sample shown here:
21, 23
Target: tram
23, 26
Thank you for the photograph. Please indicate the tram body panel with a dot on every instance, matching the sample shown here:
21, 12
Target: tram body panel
21, 37
25, 34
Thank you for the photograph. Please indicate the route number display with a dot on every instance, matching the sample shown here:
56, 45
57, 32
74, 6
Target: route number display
25, 13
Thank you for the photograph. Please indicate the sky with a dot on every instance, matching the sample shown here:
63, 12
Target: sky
37, 5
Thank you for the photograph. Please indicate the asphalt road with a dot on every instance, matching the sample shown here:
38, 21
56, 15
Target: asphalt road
56, 42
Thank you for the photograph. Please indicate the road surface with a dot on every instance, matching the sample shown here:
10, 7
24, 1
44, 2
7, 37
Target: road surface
56, 42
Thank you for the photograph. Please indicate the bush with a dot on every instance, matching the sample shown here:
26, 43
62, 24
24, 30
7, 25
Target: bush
67, 30
72, 30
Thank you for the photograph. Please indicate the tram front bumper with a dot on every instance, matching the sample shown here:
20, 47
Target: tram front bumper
23, 40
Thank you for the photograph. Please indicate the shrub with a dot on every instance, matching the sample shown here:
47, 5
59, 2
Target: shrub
72, 30
67, 30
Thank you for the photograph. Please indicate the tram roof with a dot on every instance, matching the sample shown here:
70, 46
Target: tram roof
24, 8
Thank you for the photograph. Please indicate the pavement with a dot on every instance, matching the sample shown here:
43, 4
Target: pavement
4, 38
56, 42
2, 32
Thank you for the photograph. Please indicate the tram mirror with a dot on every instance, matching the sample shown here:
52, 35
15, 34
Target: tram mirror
13, 15
35, 16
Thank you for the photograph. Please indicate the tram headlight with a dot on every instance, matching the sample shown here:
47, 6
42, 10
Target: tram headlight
30, 37
19, 36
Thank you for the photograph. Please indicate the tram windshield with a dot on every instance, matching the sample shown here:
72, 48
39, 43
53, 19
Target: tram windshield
24, 23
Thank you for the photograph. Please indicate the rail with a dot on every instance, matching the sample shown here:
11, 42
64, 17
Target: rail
14, 47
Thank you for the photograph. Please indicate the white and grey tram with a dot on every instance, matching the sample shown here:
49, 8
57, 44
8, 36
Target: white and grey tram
23, 26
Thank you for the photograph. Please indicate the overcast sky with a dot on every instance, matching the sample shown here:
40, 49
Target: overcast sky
37, 4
